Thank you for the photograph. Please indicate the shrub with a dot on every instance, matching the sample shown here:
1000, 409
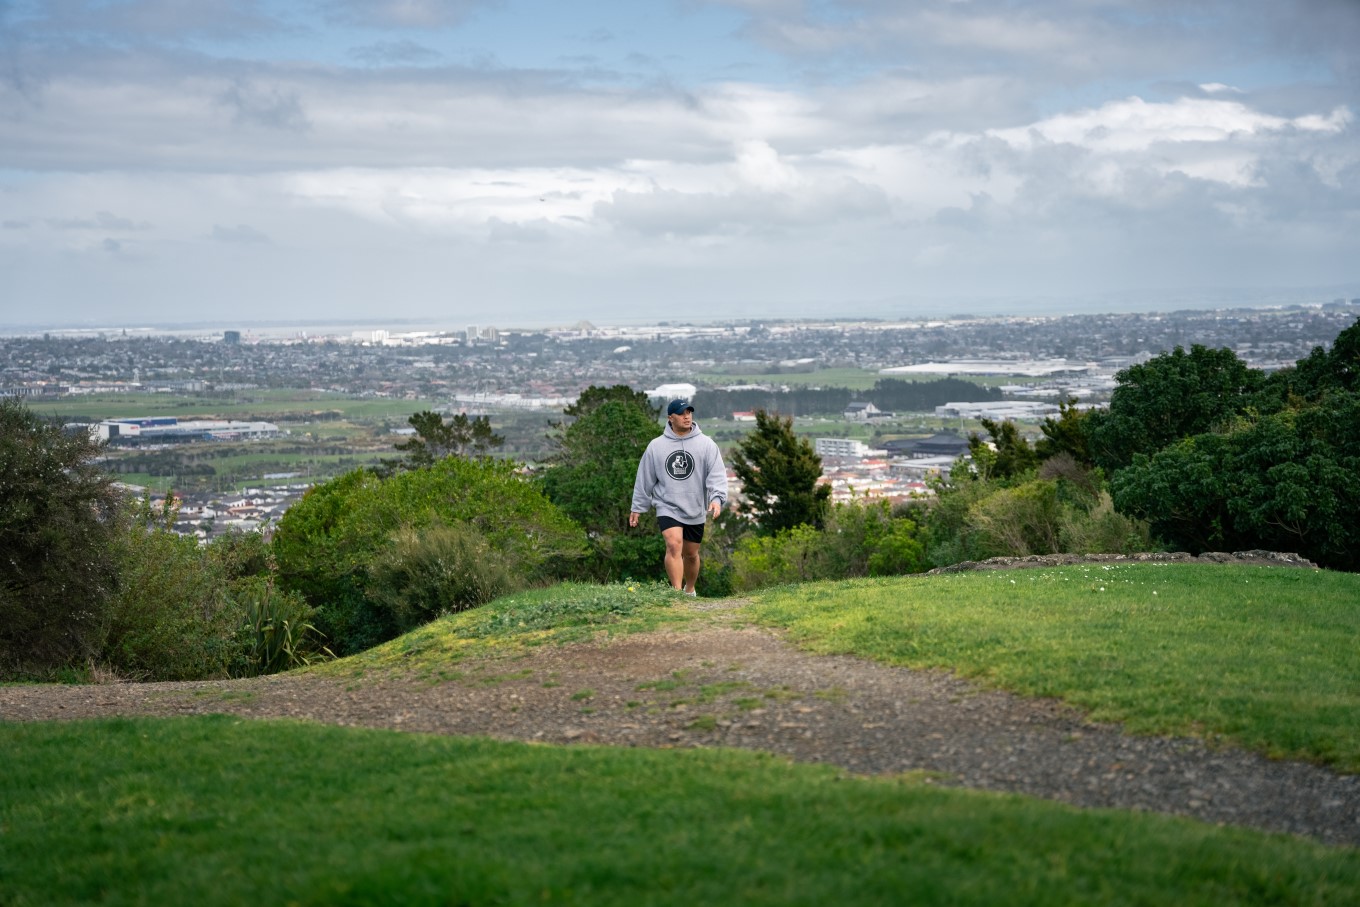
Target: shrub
170, 618
1103, 530
860, 539
59, 515
864, 538
275, 631
1018, 521
328, 543
439, 570
789, 556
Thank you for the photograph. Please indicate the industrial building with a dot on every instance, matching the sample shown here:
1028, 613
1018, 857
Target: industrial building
170, 430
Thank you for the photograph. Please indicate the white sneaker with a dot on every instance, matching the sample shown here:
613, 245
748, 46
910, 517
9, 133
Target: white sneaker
692, 594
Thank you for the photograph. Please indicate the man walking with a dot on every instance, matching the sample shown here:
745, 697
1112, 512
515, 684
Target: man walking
681, 475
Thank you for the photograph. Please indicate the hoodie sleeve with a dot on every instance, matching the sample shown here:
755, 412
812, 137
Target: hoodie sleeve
716, 480
644, 483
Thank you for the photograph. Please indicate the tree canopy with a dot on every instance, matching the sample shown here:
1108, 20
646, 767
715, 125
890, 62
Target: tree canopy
435, 439
59, 513
1169, 397
591, 478
780, 475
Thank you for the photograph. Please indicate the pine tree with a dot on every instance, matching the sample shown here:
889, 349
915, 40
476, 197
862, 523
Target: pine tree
435, 439
780, 475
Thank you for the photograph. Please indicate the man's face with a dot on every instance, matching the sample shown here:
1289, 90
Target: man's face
681, 422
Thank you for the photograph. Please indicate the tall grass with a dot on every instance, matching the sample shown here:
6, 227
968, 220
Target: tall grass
1264, 656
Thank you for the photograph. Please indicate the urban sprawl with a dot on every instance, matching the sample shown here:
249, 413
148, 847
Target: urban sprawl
526, 377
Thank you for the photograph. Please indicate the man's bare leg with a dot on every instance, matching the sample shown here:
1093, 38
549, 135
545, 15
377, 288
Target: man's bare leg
689, 555
674, 561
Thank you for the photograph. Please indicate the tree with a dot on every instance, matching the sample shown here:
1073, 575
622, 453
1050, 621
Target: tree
59, 514
1011, 457
1172, 396
780, 475
1065, 434
1289, 481
592, 471
435, 439
595, 396
591, 478
1333, 369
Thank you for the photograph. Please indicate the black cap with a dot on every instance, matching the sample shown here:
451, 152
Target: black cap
679, 406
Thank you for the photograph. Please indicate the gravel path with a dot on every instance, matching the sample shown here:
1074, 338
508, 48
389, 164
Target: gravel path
725, 684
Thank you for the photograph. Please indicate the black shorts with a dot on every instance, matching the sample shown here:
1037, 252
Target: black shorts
691, 533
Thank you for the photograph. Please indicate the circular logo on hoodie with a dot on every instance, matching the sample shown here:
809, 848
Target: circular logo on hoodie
680, 465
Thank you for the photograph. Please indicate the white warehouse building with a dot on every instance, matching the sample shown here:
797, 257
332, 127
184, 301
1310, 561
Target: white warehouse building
170, 430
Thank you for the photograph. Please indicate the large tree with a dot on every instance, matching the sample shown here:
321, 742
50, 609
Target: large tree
591, 474
58, 521
1172, 396
780, 475
1288, 481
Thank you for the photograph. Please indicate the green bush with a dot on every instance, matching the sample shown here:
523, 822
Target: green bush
859, 539
789, 556
1018, 521
328, 543
170, 618
864, 538
1103, 530
424, 574
275, 631
241, 554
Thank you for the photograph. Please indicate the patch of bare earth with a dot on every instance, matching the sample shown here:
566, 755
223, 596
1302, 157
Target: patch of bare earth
725, 684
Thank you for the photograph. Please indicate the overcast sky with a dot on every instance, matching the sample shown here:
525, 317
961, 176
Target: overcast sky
542, 161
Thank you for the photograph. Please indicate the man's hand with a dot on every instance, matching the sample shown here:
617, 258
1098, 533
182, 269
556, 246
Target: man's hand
632, 520
714, 508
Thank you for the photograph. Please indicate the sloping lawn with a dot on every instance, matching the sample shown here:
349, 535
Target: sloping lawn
1268, 657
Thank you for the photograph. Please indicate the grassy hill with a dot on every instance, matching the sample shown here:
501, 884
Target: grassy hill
221, 810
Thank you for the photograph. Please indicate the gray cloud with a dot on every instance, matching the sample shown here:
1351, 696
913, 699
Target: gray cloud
430, 14
140, 21
394, 52
1058, 146
102, 220
272, 107
241, 233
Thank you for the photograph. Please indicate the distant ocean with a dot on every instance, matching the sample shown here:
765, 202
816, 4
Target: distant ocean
889, 309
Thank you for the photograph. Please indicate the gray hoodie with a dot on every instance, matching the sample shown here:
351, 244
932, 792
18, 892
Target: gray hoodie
680, 476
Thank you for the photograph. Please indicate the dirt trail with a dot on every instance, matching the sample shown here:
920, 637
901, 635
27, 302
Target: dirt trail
725, 684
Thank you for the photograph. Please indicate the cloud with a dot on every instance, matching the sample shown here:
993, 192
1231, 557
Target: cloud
142, 21
241, 233
385, 53
102, 220
1134, 124
272, 107
977, 146
427, 14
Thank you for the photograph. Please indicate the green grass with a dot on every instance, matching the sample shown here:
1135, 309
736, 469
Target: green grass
1266, 657
217, 810
516, 624
267, 404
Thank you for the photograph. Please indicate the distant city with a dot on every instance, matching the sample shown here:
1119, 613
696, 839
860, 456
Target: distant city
552, 364
240, 421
